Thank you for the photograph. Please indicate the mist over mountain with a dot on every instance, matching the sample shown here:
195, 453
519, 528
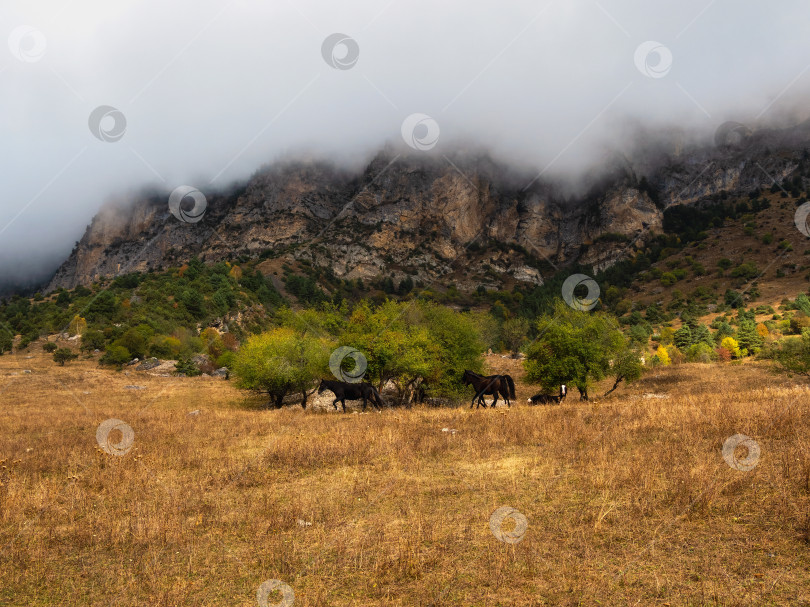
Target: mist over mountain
101, 99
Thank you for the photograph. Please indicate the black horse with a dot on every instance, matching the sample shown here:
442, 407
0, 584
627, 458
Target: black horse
491, 384
344, 390
547, 399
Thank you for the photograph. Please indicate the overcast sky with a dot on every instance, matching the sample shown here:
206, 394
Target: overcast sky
212, 89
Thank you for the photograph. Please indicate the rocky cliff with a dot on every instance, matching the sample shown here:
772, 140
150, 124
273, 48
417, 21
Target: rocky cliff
422, 215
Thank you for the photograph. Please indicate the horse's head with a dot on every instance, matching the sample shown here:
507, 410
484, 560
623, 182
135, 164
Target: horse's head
466, 377
563, 391
322, 386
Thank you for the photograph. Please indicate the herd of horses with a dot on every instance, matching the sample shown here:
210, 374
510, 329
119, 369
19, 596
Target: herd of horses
484, 385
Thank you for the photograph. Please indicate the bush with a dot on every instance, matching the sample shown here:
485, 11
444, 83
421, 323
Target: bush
186, 366
49, 347
115, 355
63, 355
668, 279
93, 339
746, 270
701, 353
226, 359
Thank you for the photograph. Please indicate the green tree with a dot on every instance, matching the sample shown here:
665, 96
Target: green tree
748, 337
63, 355
134, 341
702, 335
103, 308
626, 366
115, 355
281, 361
92, 339
803, 303
683, 337
513, 332
792, 356
194, 302
49, 347
573, 348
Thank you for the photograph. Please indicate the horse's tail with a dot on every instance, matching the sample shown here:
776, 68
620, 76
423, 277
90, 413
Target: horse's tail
511, 384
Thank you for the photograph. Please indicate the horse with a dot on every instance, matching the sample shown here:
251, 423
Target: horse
547, 399
343, 390
492, 384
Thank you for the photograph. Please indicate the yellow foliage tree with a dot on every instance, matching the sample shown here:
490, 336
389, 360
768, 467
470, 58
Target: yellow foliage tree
667, 335
763, 330
662, 355
77, 326
730, 344
236, 272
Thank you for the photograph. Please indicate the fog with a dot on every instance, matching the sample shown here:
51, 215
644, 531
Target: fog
210, 90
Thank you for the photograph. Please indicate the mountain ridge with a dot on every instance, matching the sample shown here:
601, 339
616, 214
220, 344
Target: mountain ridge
409, 215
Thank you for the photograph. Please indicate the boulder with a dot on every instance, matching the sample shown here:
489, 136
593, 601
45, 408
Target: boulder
149, 363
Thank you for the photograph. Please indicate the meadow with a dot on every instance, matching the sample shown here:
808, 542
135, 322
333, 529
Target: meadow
628, 499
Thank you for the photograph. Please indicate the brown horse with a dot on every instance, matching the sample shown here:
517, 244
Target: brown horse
492, 384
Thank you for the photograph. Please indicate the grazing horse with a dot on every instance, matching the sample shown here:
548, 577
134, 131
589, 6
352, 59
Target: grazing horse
343, 390
491, 384
547, 399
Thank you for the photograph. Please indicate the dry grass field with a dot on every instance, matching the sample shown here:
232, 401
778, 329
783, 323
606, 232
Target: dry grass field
628, 499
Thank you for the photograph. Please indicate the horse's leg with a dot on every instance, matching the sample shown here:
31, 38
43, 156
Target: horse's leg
343, 402
364, 402
495, 396
334, 404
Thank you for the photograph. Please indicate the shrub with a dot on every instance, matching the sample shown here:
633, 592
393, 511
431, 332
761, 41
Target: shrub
662, 355
226, 359
725, 263
723, 354
700, 352
63, 355
115, 355
49, 347
92, 339
746, 270
668, 279
186, 366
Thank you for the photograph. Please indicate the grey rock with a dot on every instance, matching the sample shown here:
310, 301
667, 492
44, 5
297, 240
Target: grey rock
149, 363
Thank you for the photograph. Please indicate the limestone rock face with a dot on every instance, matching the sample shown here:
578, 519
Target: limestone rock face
427, 217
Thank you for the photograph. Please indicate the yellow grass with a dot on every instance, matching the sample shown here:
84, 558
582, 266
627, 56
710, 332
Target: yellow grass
628, 500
